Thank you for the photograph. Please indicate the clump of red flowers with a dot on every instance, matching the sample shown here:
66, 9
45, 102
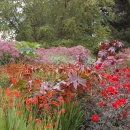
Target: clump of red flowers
95, 117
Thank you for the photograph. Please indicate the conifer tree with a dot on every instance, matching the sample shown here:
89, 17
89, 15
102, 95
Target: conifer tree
56, 22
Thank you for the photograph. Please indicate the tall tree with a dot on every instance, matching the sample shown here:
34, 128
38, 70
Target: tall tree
56, 22
121, 21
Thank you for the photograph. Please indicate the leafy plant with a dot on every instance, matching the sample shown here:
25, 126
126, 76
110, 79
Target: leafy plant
4, 80
8, 53
27, 48
72, 118
61, 58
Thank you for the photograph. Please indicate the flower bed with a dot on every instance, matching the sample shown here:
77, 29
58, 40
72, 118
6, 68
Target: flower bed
45, 96
64, 96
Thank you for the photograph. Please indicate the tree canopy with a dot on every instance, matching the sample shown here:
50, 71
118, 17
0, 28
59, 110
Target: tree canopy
120, 22
64, 22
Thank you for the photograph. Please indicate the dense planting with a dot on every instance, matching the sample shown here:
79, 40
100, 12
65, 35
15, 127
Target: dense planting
65, 96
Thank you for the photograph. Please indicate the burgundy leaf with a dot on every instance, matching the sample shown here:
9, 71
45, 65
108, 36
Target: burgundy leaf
118, 44
75, 80
106, 42
112, 49
102, 53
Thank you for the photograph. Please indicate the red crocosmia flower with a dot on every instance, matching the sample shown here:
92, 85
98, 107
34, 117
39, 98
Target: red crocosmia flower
114, 105
111, 90
27, 101
36, 87
97, 67
127, 75
18, 112
8, 92
117, 84
48, 125
109, 76
116, 70
5, 106
89, 70
17, 93
122, 100
19, 105
54, 123
101, 103
54, 103
100, 64
124, 114
38, 80
14, 81
124, 69
129, 89
118, 102
62, 110
34, 100
40, 105
102, 82
125, 85
104, 93
38, 120
87, 85
95, 117
115, 78
128, 85
61, 100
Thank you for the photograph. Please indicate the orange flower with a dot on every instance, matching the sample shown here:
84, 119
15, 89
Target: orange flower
54, 103
54, 123
62, 110
40, 105
36, 87
38, 80
50, 94
34, 100
14, 81
8, 92
61, 100
38, 120
17, 93
19, 112
48, 125
5, 106
19, 105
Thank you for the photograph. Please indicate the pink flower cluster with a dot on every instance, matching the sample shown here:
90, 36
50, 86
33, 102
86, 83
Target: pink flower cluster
72, 52
8, 48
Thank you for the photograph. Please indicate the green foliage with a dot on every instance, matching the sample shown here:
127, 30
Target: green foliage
50, 22
72, 118
5, 59
56, 59
27, 48
13, 121
120, 24
4, 80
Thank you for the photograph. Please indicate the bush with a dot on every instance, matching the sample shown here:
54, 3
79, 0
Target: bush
8, 52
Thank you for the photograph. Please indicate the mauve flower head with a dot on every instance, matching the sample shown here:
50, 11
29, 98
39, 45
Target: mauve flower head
72, 52
9, 48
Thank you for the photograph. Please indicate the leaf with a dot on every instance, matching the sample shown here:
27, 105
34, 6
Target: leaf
106, 42
21, 84
112, 49
118, 44
102, 53
73, 78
